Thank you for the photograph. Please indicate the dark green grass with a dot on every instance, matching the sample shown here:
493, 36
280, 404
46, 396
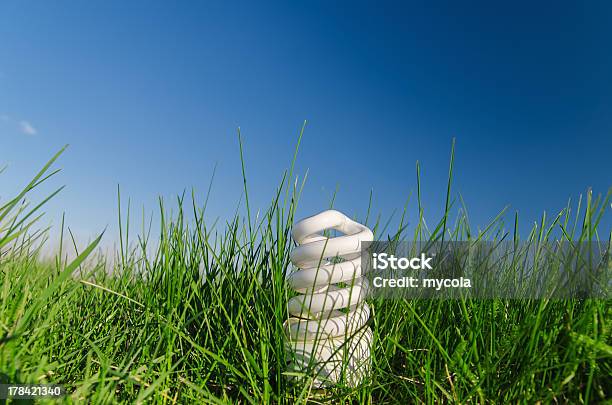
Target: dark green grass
158, 331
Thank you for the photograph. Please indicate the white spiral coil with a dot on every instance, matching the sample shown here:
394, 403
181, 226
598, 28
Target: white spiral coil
327, 331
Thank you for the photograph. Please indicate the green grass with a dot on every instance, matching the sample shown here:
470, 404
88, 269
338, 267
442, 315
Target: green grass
158, 331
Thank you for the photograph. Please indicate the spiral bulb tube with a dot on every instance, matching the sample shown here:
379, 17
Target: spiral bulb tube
327, 331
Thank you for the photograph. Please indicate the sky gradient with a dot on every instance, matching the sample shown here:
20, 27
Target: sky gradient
149, 95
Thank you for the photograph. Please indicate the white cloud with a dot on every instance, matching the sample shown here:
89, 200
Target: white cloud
27, 128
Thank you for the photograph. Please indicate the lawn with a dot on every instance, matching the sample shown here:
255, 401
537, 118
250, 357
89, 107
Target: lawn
193, 313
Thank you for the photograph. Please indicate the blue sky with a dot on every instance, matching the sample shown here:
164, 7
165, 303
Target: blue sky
150, 94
